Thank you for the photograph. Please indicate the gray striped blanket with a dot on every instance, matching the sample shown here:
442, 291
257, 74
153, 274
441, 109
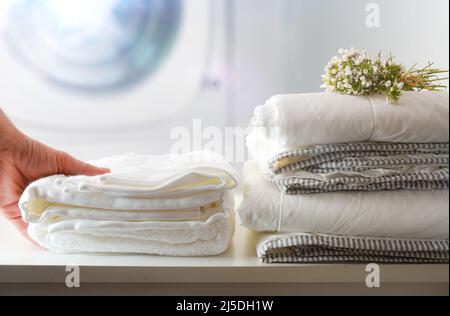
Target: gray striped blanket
308, 248
361, 167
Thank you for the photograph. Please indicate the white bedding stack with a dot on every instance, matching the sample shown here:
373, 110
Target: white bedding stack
350, 218
163, 205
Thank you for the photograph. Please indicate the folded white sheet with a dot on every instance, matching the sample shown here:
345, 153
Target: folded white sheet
166, 205
404, 214
292, 121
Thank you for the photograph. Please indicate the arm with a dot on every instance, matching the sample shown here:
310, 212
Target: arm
24, 160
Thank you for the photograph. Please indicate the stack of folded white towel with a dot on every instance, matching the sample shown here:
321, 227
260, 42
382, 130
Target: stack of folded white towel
163, 205
349, 179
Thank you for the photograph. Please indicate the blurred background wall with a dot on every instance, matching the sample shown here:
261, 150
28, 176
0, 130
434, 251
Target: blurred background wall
225, 57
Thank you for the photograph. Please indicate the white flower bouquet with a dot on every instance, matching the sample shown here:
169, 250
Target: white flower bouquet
355, 72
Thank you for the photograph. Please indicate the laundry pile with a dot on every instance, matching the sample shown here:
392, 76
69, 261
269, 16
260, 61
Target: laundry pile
163, 205
349, 179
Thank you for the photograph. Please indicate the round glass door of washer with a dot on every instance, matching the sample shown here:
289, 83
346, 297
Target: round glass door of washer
94, 45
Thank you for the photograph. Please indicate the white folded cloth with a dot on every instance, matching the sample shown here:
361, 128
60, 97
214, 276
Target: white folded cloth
293, 121
403, 214
164, 205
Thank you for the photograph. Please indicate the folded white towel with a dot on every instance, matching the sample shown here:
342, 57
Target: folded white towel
292, 121
403, 214
165, 205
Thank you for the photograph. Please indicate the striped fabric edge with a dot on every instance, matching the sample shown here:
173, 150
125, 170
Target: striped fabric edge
394, 186
359, 164
438, 175
373, 163
288, 258
363, 146
308, 248
433, 180
323, 154
311, 252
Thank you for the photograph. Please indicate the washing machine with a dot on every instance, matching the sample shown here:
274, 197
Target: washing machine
104, 77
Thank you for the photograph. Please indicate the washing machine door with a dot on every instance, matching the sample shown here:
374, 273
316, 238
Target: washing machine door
96, 64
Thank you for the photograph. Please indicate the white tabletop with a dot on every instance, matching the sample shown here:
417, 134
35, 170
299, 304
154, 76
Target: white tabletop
21, 261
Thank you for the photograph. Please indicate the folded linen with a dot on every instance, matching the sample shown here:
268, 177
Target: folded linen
293, 121
361, 167
165, 205
400, 214
319, 248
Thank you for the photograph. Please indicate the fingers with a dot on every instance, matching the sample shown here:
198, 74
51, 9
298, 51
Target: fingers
81, 168
21, 226
12, 213
72, 167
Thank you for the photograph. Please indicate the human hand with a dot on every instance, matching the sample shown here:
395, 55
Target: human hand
22, 161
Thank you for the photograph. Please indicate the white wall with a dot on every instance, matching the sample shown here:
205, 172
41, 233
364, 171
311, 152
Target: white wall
283, 45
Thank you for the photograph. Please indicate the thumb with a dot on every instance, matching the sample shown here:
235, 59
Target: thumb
70, 166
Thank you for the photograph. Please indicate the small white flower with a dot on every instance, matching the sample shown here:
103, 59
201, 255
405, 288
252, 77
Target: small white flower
336, 60
352, 52
400, 85
360, 60
388, 83
362, 78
